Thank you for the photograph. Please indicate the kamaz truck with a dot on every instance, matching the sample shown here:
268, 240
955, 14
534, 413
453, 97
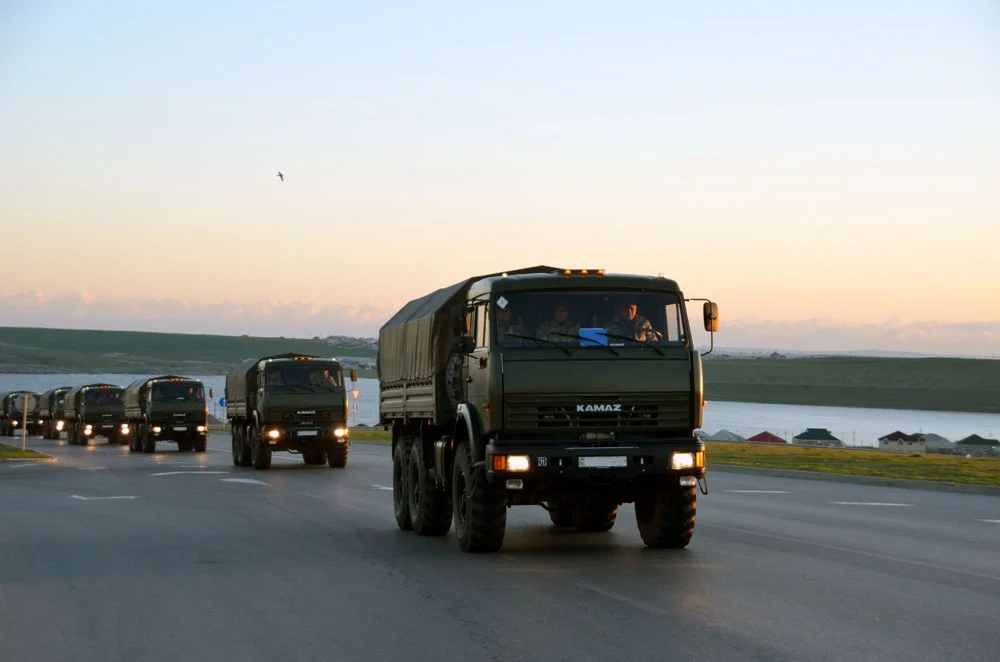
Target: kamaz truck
52, 412
96, 410
574, 390
12, 415
288, 402
166, 409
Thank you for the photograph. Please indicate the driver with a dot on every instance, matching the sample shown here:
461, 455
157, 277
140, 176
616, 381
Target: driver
505, 325
627, 321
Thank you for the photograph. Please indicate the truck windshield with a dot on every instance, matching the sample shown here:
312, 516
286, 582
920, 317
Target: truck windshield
303, 378
98, 396
178, 392
589, 318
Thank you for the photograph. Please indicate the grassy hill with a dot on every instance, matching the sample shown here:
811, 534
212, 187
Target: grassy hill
935, 384
71, 350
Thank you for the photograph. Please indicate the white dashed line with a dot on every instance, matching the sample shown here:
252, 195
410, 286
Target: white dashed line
106, 498
249, 481
91, 468
871, 503
382, 487
991, 521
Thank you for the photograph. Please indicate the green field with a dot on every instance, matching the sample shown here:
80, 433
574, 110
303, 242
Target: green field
936, 384
15, 453
65, 350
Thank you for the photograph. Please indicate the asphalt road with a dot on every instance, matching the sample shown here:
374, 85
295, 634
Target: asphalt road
108, 556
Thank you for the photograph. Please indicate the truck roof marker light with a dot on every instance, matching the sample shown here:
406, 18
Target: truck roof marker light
583, 272
600, 272
567, 272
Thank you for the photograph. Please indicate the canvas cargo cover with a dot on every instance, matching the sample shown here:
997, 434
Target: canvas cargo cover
415, 343
49, 400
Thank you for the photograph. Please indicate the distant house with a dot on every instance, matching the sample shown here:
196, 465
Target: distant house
976, 445
936, 443
726, 435
901, 442
766, 437
817, 437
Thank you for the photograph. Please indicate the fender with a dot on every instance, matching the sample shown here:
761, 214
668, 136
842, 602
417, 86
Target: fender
469, 417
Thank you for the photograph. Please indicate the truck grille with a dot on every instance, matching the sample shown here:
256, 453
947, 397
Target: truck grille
319, 415
668, 411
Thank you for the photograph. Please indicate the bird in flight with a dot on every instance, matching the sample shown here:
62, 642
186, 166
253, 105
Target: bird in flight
281, 176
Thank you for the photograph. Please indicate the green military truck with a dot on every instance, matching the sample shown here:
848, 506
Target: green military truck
574, 390
96, 410
288, 402
52, 412
12, 415
168, 408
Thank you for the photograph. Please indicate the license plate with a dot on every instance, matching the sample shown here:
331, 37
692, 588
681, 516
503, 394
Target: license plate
604, 462
180, 428
307, 433
107, 426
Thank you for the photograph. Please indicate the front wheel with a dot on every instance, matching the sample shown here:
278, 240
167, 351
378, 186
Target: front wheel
480, 508
665, 514
200, 444
400, 499
260, 450
336, 454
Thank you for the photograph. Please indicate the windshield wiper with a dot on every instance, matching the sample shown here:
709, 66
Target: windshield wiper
537, 339
633, 339
579, 337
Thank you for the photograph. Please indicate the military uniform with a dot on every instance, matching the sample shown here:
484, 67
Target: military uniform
516, 328
550, 329
638, 328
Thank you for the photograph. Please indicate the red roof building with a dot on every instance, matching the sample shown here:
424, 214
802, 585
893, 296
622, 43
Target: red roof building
766, 437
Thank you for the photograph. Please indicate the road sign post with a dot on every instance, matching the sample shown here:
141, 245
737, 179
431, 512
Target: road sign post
355, 392
27, 402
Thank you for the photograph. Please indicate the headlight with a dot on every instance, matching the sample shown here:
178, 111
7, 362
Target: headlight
59, 426
87, 431
124, 428
274, 434
157, 429
201, 428
682, 461
511, 463
14, 423
339, 432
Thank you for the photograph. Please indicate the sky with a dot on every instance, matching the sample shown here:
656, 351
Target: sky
828, 173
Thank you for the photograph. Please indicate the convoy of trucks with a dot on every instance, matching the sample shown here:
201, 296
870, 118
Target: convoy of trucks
574, 390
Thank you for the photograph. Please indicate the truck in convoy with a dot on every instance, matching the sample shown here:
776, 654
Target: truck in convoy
574, 390
96, 410
168, 408
12, 414
52, 412
288, 402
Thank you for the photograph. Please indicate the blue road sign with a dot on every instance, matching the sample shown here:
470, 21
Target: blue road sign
222, 402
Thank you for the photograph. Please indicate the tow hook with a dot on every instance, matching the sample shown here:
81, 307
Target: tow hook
703, 484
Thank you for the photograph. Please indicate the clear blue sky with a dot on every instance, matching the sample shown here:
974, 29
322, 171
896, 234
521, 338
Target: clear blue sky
791, 159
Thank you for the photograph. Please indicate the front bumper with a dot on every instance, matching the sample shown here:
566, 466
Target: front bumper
167, 429
571, 462
294, 436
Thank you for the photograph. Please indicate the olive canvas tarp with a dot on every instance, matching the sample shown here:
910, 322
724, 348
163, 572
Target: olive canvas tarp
415, 343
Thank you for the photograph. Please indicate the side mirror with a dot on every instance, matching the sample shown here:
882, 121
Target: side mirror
711, 313
354, 375
466, 344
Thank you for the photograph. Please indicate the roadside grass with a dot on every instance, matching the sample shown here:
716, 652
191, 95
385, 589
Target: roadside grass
371, 435
874, 463
13, 453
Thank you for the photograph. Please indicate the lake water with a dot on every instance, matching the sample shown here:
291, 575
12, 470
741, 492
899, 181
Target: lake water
857, 427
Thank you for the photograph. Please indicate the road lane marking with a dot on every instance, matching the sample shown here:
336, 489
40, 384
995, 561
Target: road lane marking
991, 521
104, 498
618, 597
177, 473
23, 464
381, 487
90, 468
249, 481
871, 503
758, 491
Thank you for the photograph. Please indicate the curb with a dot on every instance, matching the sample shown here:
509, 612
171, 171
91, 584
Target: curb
28, 460
906, 483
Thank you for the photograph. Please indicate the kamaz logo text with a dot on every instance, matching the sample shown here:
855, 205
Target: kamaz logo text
311, 411
583, 408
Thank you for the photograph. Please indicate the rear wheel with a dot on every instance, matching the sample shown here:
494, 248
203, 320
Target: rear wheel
400, 498
480, 508
429, 504
665, 514
595, 518
561, 514
185, 445
314, 456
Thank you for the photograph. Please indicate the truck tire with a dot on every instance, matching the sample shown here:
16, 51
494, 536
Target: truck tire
665, 515
81, 438
201, 444
400, 493
336, 454
595, 518
480, 508
241, 457
429, 504
314, 456
260, 450
561, 515
146, 440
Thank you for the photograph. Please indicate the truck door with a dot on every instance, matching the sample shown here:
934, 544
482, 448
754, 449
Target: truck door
477, 363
